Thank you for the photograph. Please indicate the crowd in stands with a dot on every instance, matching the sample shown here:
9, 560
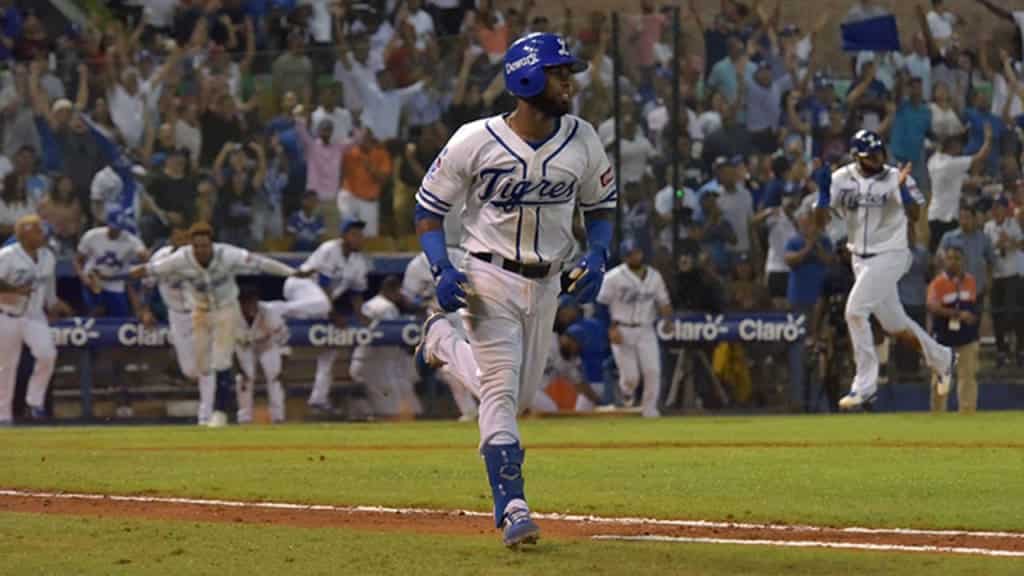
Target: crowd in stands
276, 120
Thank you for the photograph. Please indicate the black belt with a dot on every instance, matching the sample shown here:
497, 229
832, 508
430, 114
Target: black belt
628, 324
531, 271
867, 255
9, 315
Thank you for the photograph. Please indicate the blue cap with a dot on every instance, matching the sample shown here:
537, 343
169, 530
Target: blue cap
567, 301
117, 218
577, 332
351, 223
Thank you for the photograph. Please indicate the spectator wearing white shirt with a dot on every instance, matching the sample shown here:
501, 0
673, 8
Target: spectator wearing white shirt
635, 148
945, 120
781, 224
341, 119
384, 104
421, 21
762, 99
940, 24
130, 98
1005, 234
948, 171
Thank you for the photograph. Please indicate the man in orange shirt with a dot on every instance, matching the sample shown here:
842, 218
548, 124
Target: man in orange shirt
366, 168
953, 304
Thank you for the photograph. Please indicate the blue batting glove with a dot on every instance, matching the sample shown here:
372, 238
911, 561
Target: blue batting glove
451, 289
587, 277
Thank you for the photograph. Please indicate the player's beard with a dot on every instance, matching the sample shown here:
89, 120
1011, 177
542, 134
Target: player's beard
870, 171
552, 107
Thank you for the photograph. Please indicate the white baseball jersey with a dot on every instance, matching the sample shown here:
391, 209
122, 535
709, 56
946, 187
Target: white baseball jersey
873, 207
340, 272
375, 309
172, 288
17, 268
418, 281
632, 299
519, 201
214, 287
268, 329
110, 258
106, 187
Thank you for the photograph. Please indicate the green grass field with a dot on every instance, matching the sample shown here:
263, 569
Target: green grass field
913, 471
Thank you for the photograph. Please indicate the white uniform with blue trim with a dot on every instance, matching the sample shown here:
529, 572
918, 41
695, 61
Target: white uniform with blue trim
260, 341
518, 202
338, 273
633, 302
876, 224
23, 320
174, 293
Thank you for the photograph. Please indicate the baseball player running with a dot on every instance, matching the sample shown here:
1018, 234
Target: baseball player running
385, 371
262, 333
876, 201
210, 270
520, 176
636, 296
343, 270
179, 319
418, 289
28, 290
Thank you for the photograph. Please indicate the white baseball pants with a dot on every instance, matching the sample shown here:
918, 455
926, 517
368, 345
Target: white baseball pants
270, 362
509, 324
182, 338
304, 299
351, 207
875, 293
324, 378
639, 355
213, 332
385, 372
35, 333
509, 327
584, 404
447, 341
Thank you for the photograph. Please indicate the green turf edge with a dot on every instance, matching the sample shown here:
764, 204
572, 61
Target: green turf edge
55, 544
919, 487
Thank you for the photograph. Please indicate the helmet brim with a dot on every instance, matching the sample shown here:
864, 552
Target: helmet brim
576, 66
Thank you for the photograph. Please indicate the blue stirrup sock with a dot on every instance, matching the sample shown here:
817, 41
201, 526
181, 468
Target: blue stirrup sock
224, 393
505, 472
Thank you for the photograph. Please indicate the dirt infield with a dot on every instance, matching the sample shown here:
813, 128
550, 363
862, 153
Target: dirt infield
475, 523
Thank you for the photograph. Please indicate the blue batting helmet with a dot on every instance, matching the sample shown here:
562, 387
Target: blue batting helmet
865, 142
526, 59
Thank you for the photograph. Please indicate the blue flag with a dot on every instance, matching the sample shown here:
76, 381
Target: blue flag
878, 34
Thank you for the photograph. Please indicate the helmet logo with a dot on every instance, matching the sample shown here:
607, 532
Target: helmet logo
562, 49
530, 59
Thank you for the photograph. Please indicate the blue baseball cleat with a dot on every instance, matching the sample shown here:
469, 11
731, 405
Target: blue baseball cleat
425, 366
520, 528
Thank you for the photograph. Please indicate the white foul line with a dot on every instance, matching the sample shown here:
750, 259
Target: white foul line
819, 544
580, 519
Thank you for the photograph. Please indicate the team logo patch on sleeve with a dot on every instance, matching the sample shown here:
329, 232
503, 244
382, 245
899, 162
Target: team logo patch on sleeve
436, 165
607, 177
